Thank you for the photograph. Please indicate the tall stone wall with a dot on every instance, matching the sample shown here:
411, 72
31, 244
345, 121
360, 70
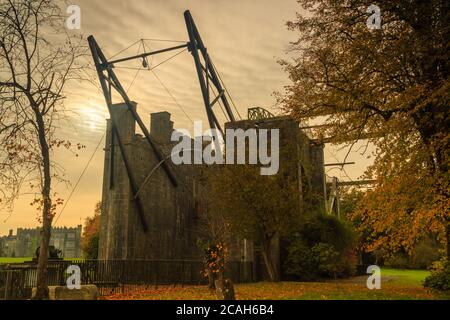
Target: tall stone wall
172, 212
168, 210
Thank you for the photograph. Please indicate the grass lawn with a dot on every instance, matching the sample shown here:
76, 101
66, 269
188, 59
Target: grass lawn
409, 277
4, 260
395, 285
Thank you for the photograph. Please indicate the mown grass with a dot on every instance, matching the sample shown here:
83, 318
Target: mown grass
4, 260
411, 277
395, 285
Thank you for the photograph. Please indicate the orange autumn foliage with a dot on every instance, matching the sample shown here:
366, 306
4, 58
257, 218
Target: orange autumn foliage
390, 87
399, 212
89, 238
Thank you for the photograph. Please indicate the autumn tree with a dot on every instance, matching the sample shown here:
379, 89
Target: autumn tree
391, 87
257, 207
349, 200
37, 59
91, 234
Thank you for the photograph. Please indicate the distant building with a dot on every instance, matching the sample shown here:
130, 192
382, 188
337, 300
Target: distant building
25, 242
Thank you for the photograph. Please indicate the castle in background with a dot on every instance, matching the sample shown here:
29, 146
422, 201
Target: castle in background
25, 242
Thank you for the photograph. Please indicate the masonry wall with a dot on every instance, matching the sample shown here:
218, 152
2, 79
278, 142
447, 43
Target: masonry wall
169, 210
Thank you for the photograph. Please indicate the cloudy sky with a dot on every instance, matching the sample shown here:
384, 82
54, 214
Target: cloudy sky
245, 38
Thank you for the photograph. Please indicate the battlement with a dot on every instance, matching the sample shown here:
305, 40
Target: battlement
38, 229
26, 240
161, 127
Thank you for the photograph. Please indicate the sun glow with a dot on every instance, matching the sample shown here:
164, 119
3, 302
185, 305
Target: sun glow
93, 117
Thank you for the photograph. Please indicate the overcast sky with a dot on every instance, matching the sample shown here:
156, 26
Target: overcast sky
245, 38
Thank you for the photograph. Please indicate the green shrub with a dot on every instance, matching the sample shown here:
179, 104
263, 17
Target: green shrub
299, 262
326, 259
440, 276
90, 249
322, 247
398, 261
328, 229
425, 253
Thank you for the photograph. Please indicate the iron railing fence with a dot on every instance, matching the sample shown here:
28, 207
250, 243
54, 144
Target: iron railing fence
115, 276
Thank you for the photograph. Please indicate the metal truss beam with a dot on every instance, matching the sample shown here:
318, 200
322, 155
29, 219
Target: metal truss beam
113, 81
207, 76
206, 73
338, 164
109, 81
259, 113
141, 56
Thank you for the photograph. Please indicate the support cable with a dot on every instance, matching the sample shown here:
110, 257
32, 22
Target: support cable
123, 50
164, 40
341, 169
226, 90
79, 179
141, 40
220, 104
171, 95
155, 66
134, 79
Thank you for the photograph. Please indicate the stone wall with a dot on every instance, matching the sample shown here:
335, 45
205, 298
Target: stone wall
169, 210
172, 213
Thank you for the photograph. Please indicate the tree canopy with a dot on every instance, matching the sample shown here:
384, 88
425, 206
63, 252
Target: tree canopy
257, 207
91, 234
391, 87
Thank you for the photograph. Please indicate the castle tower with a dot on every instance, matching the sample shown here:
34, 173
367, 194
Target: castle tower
116, 194
168, 210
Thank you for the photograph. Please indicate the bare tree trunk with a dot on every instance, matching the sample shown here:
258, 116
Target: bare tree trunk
269, 266
268, 261
225, 289
211, 280
42, 288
